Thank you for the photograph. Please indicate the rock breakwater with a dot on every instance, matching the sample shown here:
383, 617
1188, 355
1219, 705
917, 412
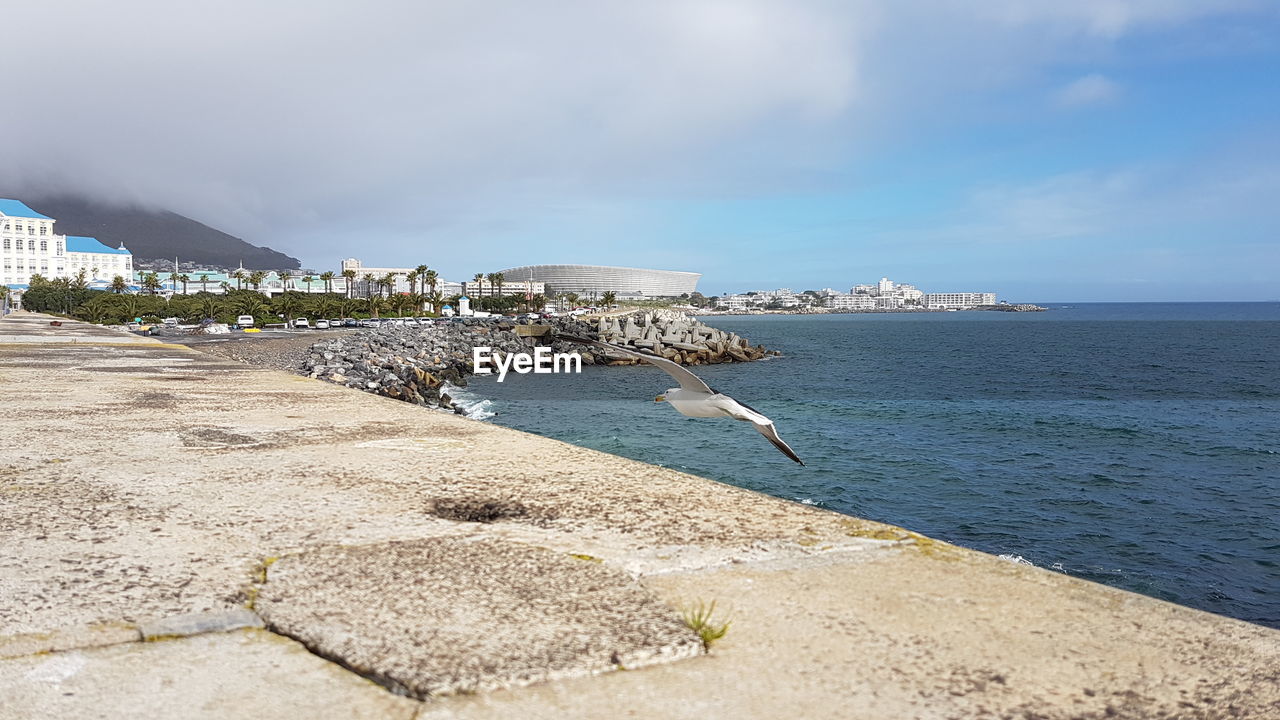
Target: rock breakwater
419, 364
677, 337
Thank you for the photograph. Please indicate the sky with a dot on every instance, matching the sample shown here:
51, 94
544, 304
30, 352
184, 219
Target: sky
1044, 150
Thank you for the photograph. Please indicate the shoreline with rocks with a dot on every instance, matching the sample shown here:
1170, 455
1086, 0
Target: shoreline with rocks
420, 364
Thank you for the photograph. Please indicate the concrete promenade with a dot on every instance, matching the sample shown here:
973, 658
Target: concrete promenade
190, 537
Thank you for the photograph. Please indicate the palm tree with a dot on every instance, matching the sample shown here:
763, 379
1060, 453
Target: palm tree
609, 297
81, 280
151, 282
95, 273
210, 306
306, 280
255, 279
347, 307
325, 306
479, 279
350, 276
388, 281
327, 277
288, 304
421, 271
412, 277
368, 285
226, 287
238, 275
184, 279
436, 300
173, 281
284, 280
95, 313
204, 282
118, 285
375, 303
430, 277
131, 305
249, 304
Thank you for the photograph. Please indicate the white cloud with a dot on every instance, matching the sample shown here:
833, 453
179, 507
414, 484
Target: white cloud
303, 124
1088, 90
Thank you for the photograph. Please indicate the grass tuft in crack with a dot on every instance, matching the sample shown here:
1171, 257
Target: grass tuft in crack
699, 619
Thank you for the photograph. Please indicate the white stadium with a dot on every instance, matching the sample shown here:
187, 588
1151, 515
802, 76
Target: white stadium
599, 279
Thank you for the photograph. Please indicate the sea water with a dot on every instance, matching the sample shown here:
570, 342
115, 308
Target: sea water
1137, 445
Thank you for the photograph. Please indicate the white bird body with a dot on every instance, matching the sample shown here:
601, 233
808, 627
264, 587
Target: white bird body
694, 398
696, 404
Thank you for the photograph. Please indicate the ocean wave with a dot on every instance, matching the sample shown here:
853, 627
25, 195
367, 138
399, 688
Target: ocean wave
472, 405
1017, 559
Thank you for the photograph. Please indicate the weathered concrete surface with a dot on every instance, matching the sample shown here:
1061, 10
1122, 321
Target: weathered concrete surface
143, 481
26, 327
245, 674
448, 615
199, 624
917, 635
158, 477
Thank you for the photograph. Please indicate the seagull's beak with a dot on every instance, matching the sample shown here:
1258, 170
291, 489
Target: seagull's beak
660, 398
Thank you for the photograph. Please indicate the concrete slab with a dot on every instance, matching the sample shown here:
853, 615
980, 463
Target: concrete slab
910, 634
447, 615
249, 673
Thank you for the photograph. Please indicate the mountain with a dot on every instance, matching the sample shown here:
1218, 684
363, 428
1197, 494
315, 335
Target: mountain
156, 234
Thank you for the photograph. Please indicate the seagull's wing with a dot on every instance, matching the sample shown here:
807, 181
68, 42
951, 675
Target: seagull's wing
742, 411
687, 380
771, 434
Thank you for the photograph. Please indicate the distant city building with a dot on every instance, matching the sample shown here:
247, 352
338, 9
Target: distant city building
599, 279
484, 288
884, 295
841, 301
29, 246
401, 281
735, 302
958, 301
98, 261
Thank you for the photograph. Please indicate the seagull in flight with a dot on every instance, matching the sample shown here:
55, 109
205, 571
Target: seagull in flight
694, 398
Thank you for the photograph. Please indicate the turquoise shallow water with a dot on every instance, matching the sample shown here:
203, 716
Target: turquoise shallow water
1137, 445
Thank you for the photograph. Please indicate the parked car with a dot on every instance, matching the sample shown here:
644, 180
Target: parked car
302, 323
350, 322
322, 324
245, 321
335, 322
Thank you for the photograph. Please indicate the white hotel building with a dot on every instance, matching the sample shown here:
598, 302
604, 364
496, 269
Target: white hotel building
959, 300
29, 246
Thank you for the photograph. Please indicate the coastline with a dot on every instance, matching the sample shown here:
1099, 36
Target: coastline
1018, 307
827, 611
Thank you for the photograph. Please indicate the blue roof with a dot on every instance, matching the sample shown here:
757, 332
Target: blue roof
17, 208
76, 243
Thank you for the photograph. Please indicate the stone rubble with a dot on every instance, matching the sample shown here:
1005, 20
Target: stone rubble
414, 363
